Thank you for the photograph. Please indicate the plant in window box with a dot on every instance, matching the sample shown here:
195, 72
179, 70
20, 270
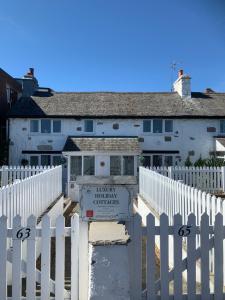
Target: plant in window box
24, 162
141, 159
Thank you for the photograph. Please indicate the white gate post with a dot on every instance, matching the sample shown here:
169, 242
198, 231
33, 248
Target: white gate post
4, 178
83, 261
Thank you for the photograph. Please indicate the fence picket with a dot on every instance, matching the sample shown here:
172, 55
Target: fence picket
164, 265
191, 258
60, 258
205, 291
218, 254
75, 257
31, 258
3, 256
16, 258
45, 257
177, 258
151, 266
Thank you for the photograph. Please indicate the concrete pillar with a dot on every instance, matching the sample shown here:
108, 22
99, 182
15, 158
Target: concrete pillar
109, 267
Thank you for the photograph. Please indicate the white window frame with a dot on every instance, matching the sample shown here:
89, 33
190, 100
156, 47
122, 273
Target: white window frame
89, 132
51, 127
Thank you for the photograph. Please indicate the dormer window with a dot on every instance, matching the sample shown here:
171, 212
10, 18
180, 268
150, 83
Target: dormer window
88, 125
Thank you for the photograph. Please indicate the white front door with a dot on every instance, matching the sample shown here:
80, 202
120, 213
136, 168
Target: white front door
102, 165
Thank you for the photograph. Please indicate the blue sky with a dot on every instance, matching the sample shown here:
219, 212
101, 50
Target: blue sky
114, 45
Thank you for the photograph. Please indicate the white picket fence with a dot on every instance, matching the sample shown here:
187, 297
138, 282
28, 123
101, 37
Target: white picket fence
24, 238
9, 174
31, 195
189, 277
169, 196
208, 179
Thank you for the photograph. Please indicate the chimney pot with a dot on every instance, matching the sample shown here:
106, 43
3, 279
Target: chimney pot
180, 73
31, 71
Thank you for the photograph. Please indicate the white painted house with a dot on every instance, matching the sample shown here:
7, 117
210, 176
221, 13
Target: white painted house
109, 133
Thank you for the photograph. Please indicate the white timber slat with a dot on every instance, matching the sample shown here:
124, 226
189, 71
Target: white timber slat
164, 264
218, 278
60, 258
45, 257
177, 258
31, 257
3, 256
150, 252
205, 290
16, 258
75, 257
191, 258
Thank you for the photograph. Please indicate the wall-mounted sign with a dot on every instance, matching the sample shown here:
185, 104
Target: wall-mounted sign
105, 202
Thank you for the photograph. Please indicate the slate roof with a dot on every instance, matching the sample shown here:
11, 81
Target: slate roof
120, 105
125, 144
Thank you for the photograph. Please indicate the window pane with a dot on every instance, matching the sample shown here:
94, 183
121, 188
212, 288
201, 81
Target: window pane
128, 165
89, 165
75, 167
56, 126
115, 165
45, 160
157, 126
56, 160
46, 126
34, 160
168, 161
147, 126
157, 160
168, 125
88, 125
222, 126
147, 161
34, 126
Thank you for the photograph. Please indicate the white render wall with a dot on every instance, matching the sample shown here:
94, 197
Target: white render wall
188, 135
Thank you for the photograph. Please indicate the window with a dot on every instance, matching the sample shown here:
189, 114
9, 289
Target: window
157, 160
115, 165
168, 161
56, 160
89, 165
34, 160
157, 126
75, 167
168, 125
45, 160
34, 126
147, 126
146, 161
88, 125
128, 165
45, 126
222, 126
56, 126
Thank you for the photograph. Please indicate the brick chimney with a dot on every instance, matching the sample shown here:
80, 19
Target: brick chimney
183, 85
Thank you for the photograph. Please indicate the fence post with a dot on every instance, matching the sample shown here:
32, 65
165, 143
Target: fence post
4, 178
223, 177
170, 172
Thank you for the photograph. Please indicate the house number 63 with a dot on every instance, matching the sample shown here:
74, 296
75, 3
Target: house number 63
23, 233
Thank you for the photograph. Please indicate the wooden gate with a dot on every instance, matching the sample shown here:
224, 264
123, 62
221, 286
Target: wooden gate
33, 259
165, 262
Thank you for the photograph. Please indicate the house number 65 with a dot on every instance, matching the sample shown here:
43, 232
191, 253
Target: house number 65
184, 230
23, 233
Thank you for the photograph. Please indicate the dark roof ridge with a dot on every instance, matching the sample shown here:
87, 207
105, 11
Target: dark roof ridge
108, 92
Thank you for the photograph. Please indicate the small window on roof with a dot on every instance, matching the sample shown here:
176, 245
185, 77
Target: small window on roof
88, 125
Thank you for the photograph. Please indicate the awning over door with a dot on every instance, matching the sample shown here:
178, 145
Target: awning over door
102, 144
